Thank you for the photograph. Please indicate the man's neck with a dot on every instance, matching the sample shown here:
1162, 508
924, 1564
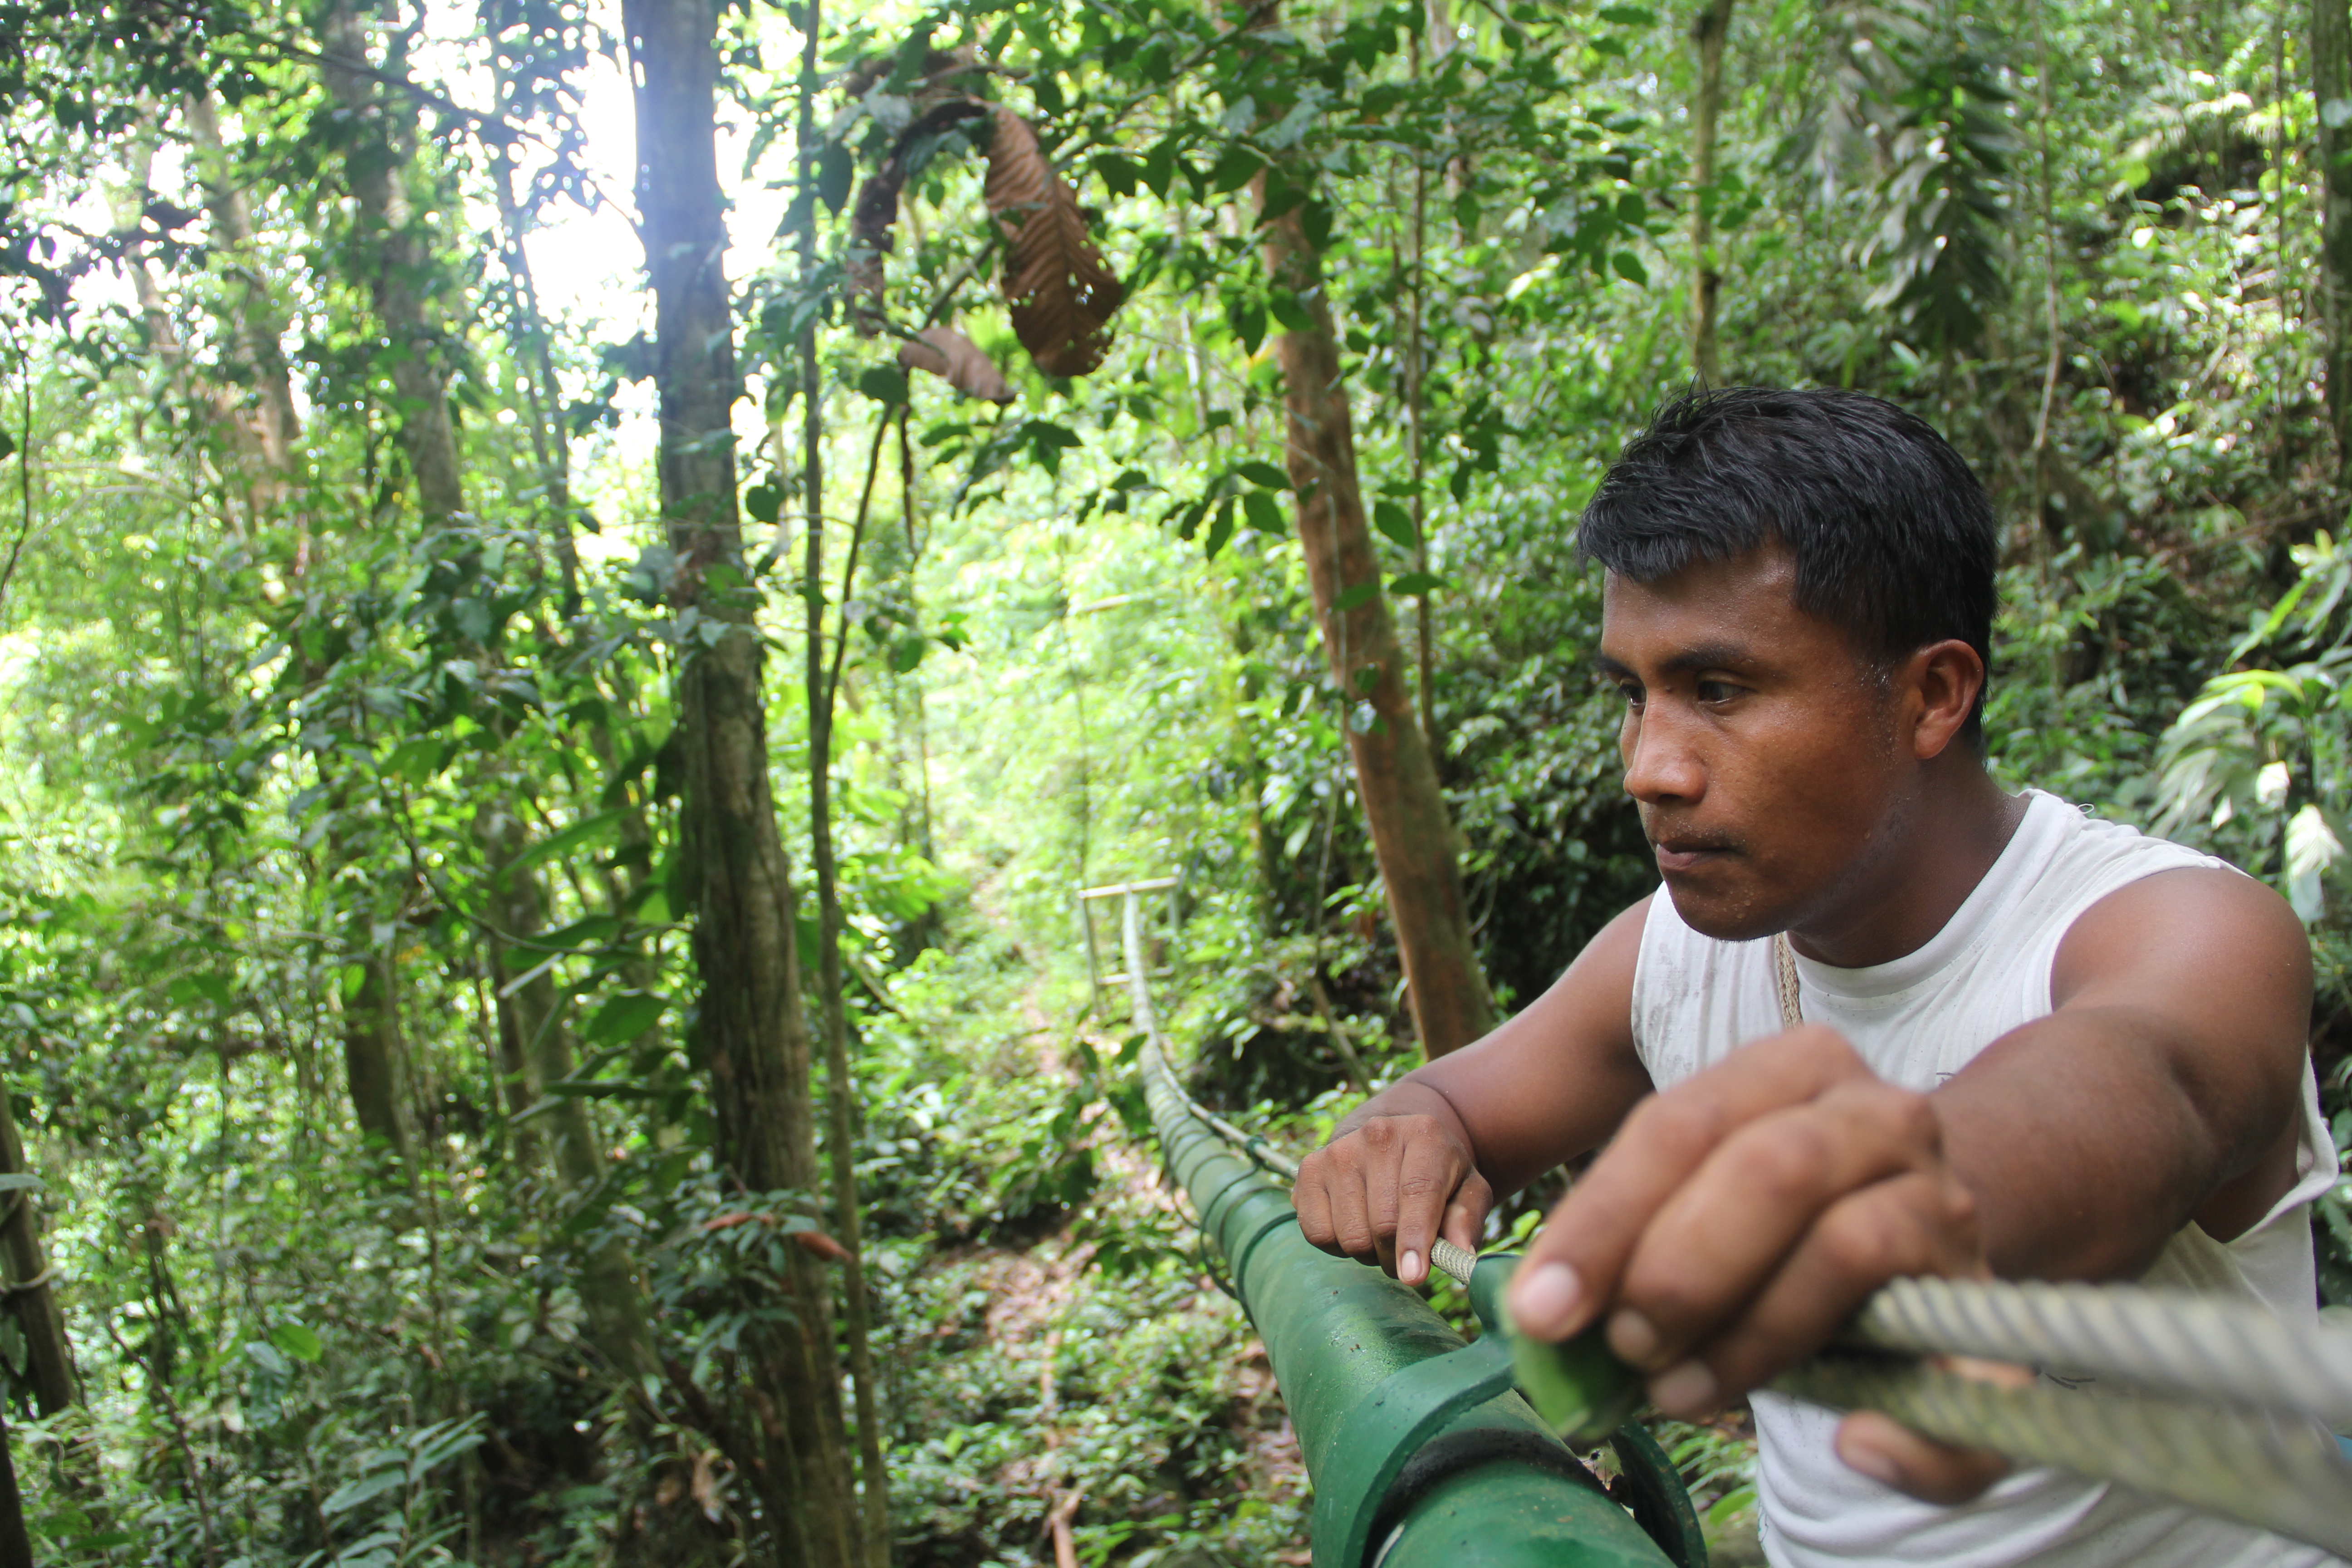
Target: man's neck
1939, 846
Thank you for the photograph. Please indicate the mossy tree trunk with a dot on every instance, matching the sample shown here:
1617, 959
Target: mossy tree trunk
750, 1031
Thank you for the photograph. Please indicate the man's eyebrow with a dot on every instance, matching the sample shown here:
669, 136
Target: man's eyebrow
1703, 655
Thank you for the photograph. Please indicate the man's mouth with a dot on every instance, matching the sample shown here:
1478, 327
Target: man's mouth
1686, 854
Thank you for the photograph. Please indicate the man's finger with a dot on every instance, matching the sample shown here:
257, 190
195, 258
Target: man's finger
1425, 1178
1920, 1222
1891, 1453
1574, 1267
1310, 1196
1351, 1225
1465, 1213
1720, 1237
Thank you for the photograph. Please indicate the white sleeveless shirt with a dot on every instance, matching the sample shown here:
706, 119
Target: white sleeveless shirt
1917, 1021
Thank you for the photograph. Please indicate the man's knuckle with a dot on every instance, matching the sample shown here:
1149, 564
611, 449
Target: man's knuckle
1678, 1121
1860, 1241
1788, 1166
1913, 1116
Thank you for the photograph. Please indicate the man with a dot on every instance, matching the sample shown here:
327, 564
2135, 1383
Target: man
2033, 1045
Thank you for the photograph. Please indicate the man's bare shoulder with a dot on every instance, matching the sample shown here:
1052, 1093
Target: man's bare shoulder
2201, 933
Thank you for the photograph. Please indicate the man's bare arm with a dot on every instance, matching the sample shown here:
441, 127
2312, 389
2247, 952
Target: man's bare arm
1426, 1156
1743, 1215
2165, 1087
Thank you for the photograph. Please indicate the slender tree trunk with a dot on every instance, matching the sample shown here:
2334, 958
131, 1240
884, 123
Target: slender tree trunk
48, 1358
532, 1027
376, 166
608, 1284
373, 1051
256, 322
750, 1031
841, 1085
1416, 370
2331, 81
1706, 277
1412, 837
15, 1544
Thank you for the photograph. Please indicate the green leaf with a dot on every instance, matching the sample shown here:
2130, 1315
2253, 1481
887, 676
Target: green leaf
1294, 316
1160, 167
296, 1340
20, 1181
1263, 512
625, 1017
1629, 266
1119, 175
1235, 167
1629, 15
907, 653
583, 831
765, 503
883, 383
1249, 325
1418, 582
1260, 472
1221, 526
367, 1489
1395, 522
836, 171
7, 446
416, 760
1361, 593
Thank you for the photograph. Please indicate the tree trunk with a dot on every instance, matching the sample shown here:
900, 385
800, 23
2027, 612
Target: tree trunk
1706, 279
2331, 82
376, 164
823, 688
1412, 837
751, 1032
532, 1033
373, 1050
15, 1544
48, 1358
257, 325
518, 907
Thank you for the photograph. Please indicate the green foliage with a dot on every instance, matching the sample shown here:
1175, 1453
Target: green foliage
258, 720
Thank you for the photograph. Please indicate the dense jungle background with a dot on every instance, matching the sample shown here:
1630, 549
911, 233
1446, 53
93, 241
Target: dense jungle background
580, 588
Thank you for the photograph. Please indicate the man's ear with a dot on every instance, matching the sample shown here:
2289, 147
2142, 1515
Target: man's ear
1941, 680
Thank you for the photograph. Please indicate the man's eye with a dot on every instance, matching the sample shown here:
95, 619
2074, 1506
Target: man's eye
1717, 691
1630, 692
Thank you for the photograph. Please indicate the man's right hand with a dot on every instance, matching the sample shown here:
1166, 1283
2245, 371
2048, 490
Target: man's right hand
1382, 1191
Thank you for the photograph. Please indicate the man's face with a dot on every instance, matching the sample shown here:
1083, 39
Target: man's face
1759, 743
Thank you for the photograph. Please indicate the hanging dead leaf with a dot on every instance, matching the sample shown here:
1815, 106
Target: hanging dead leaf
947, 353
824, 1246
1061, 293
877, 212
709, 1489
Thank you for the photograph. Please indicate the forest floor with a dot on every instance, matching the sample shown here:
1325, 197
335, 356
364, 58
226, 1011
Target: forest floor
1082, 1392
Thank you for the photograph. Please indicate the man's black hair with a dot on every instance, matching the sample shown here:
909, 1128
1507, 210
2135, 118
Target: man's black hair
1892, 536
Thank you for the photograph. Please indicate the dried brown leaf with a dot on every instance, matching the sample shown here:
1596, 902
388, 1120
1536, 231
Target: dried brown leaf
1060, 291
947, 353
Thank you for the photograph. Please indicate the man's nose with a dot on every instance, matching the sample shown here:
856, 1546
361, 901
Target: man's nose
1660, 764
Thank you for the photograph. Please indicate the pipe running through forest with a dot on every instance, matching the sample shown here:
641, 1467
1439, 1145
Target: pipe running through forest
2212, 1401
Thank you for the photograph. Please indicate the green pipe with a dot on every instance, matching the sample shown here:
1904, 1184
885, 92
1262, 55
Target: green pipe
1419, 1453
